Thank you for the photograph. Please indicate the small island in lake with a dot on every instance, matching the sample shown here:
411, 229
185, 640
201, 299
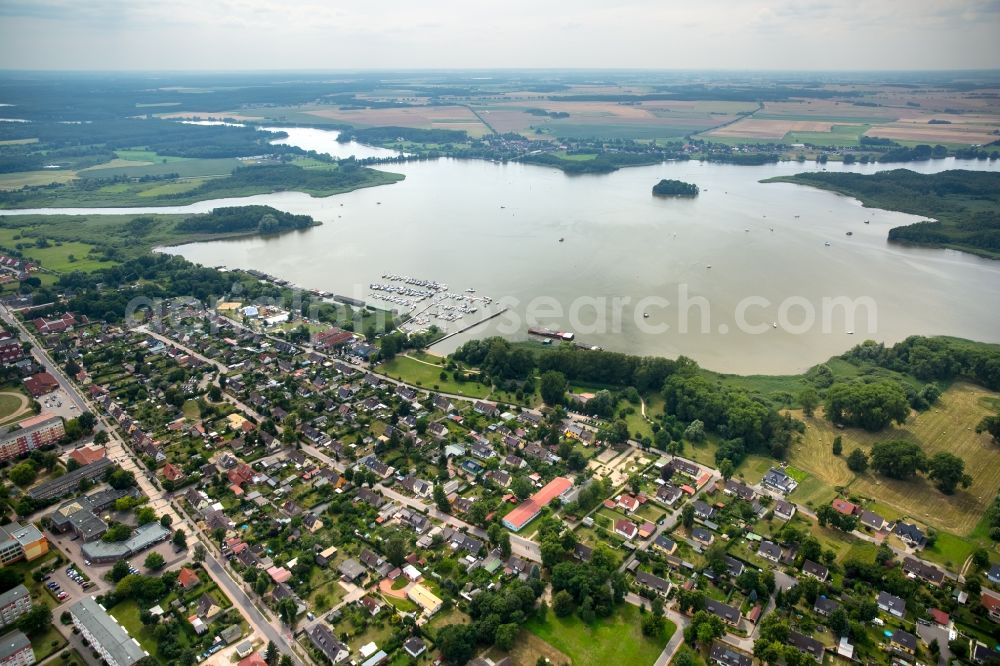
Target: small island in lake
675, 188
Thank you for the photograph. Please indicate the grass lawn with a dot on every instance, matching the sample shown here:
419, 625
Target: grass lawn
48, 643
614, 640
427, 376
10, 403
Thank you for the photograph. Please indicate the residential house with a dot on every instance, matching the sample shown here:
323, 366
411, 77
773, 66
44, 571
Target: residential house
806, 645
778, 480
817, 571
891, 604
653, 583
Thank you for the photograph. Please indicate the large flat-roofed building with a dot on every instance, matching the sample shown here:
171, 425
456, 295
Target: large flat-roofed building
104, 634
80, 515
529, 509
14, 603
30, 434
21, 542
146, 536
15, 650
69, 482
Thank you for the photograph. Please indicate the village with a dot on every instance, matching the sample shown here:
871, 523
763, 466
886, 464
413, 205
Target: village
299, 502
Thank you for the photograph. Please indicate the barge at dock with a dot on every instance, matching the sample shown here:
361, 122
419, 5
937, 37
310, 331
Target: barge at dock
549, 333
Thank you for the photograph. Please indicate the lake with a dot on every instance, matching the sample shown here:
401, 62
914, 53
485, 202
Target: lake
746, 278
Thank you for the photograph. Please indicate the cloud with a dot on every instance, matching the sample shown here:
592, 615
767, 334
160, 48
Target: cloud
727, 34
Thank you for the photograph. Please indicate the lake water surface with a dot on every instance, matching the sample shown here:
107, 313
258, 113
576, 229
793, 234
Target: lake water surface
565, 247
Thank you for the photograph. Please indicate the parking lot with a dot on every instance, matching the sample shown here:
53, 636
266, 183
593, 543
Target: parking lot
59, 403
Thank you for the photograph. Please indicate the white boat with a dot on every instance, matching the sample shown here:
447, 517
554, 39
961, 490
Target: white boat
774, 324
827, 244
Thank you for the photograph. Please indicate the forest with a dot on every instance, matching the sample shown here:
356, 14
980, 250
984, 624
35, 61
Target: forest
262, 219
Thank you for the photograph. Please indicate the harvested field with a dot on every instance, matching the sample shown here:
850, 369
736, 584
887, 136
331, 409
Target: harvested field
424, 117
956, 133
754, 128
948, 426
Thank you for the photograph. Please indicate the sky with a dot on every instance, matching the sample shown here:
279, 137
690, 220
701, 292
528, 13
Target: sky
431, 34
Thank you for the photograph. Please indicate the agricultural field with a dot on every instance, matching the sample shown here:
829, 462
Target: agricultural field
948, 426
425, 117
17, 180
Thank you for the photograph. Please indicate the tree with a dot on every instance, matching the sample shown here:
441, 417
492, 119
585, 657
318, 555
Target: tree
101, 437
991, 425
726, 468
180, 539
652, 625
870, 406
395, 549
165, 520
563, 604
687, 516
948, 471
838, 445
695, 432
23, 474
144, 515
506, 634
809, 400
441, 499
981, 558
36, 620
199, 553
522, 487
704, 628
457, 643
898, 459
288, 610
154, 561
285, 661
553, 387
119, 570
271, 654
857, 461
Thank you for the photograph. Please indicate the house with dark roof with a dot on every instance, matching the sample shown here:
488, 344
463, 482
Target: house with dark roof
769, 551
322, 638
668, 494
702, 536
740, 490
917, 569
784, 510
872, 520
652, 583
891, 604
806, 645
817, 571
824, 606
910, 534
778, 480
902, 642
723, 654
727, 614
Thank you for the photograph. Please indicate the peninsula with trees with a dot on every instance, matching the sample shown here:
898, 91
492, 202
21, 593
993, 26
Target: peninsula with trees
965, 204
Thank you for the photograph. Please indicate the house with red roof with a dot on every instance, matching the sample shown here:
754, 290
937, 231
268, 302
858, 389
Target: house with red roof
628, 503
626, 528
87, 454
187, 578
172, 472
843, 506
40, 384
